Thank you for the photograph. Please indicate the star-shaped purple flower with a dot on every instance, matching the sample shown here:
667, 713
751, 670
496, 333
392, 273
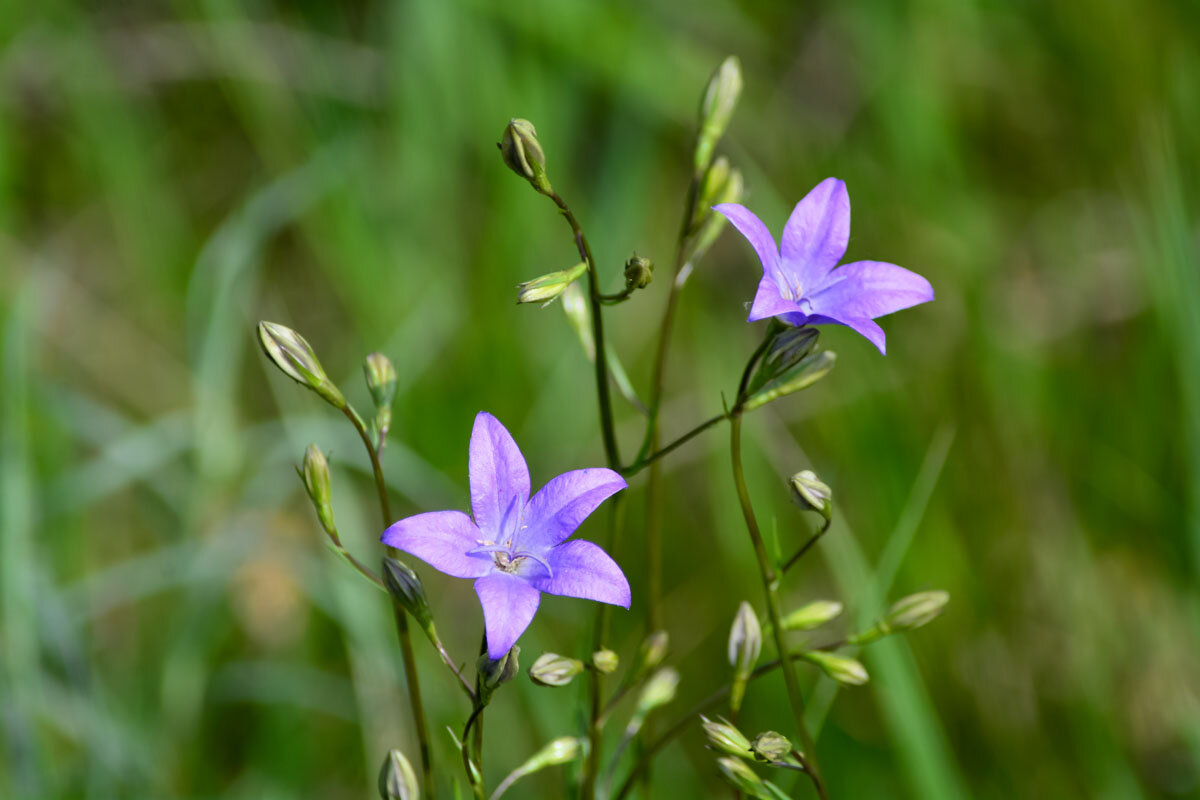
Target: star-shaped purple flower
799, 283
516, 547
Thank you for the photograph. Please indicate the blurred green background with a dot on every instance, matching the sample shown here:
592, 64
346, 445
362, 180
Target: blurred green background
171, 624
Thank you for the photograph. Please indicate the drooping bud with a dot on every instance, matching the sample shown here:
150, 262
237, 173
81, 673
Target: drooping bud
381, 379
638, 272
810, 370
846, 671
745, 644
405, 587
523, 154
397, 780
551, 669
605, 661
916, 610
652, 652
812, 493
810, 616
658, 691
295, 357
771, 746
724, 737
716, 109
742, 778
315, 474
493, 673
549, 286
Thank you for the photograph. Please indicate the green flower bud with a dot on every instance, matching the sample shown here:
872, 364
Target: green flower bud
810, 370
812, 493
605, 661
712, 186
744, 779
406, 589
845, 671
397, 780
549, 286
562, 750
523, 154
381, 379
653, 650
658, 691
716, 109
745, 638
315, 474
916, 610
638, 272
724, 737
710, 224
494, 673
771, 746
551, 669
295, 357
810, 616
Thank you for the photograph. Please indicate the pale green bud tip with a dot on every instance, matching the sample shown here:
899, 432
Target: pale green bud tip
771, 746
916, 610
654, 650
405, 587
523, 153
316, 476
716, 107
397, 780
741, 776
659, 690
638, 272
813, 615
845, 671
381, 378
294, 356
605, 661
745, 638
813, 493
551, 669
724, 737
545, 288
563, 750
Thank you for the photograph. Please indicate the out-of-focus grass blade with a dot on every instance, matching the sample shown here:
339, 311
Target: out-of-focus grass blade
580, 317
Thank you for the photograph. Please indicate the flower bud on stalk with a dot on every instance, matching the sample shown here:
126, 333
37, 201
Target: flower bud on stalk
547, 287
397, 780
845, 671
711, 225
295, 357
810, 370
605, 661
638, 272
726, 738
745, 645
716, 109
405, 587
381, 379
315, 474
523, 154
494, 673
741, 777
906, 614
659, 691
813, 615
551, 669
653, 650
812, 493
771, 746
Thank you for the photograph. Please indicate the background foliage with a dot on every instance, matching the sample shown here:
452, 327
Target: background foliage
170, 624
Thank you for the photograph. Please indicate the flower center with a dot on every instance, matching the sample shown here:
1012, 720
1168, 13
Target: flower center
789, 287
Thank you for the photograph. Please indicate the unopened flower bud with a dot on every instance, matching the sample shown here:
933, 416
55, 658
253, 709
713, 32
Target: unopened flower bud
405, 587
739, 774
493, 673
653, 650
813, 615
716, 109
771, 746
295, 357
845, 671
397, 780
551, 669
916, 610
381, 379
812, 493
523, 154
545, 288
605, 661
315, 474
712, 224
810, 370
562, 750
726, 738
658, 691
638, 272
745, 638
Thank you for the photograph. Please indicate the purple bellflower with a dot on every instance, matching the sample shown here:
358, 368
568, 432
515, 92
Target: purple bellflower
516, 547
800, 285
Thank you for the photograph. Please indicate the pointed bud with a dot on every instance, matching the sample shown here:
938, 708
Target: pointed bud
658, 691
653, 650
712, 187
295, 357
381, 379
638, 272
725, 738
716, 109
810, 370
551, 669
813, 615
397, 780
494, 673
916, 610
845, 671
315, 474
741, 776
711, 224
812, 493
562, 750
523, 154
745, 637
549, 286
771, 746
406, 589
605, 661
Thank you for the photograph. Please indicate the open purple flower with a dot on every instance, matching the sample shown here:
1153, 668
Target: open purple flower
516, 547
799, 283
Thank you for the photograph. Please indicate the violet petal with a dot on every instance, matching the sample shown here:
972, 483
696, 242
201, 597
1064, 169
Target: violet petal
562, 505
498, 475
582, 569
441, 539
509, 604
816, 234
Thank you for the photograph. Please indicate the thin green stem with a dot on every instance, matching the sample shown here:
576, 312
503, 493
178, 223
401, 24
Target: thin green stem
642, 463
806, 546
771, 588
474, 777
